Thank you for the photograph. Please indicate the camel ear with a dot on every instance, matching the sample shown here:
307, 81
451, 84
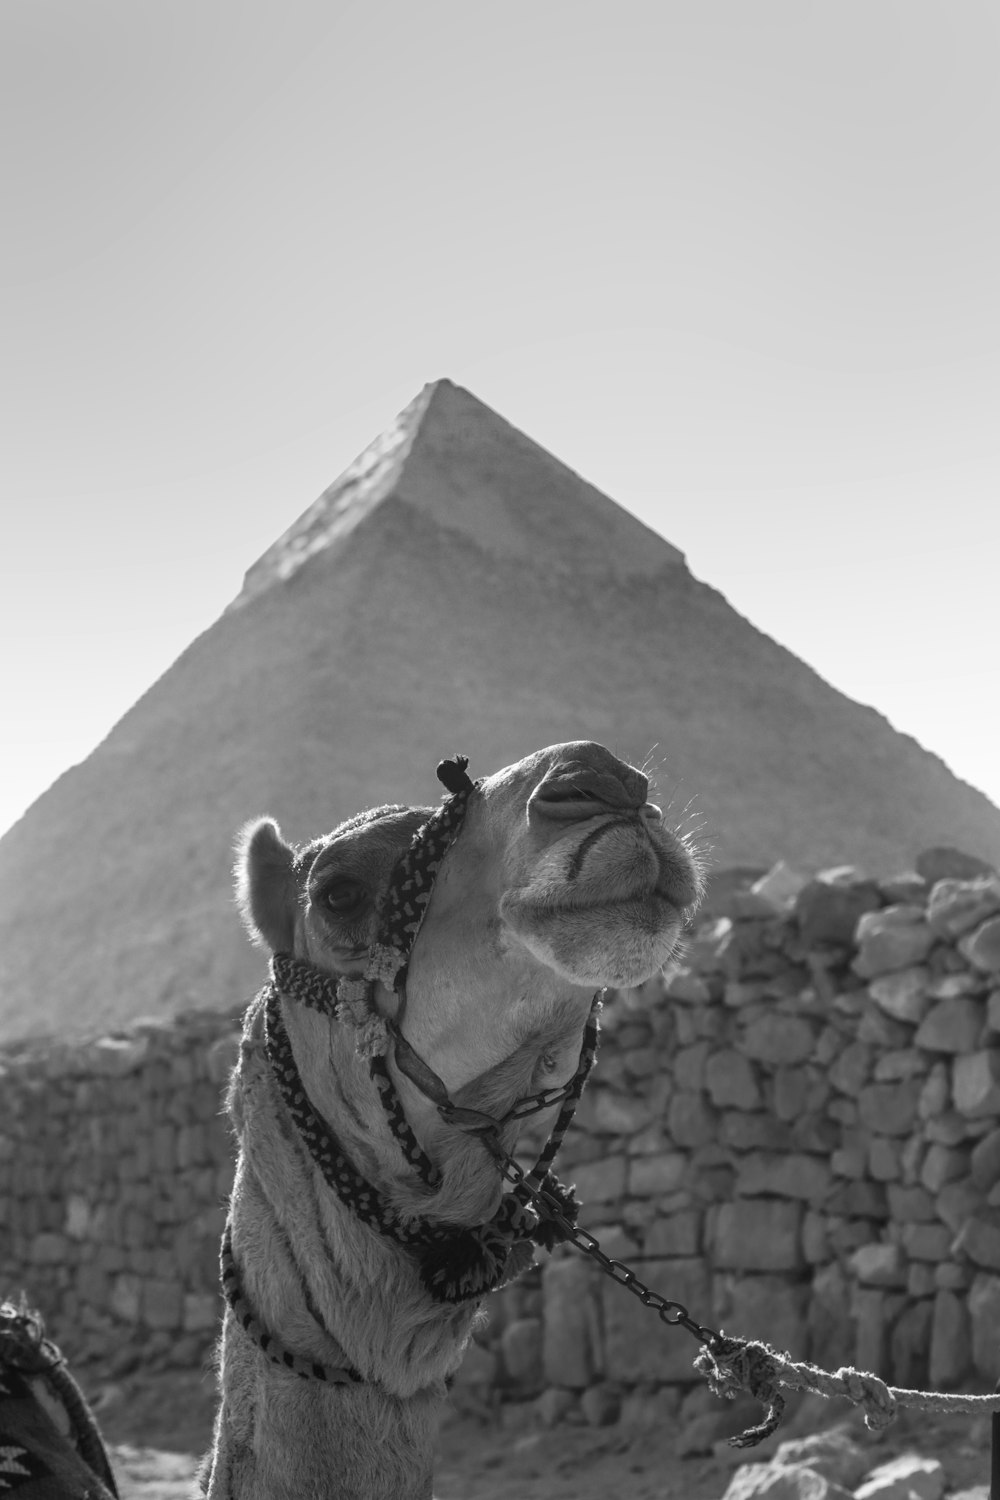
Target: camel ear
267, 892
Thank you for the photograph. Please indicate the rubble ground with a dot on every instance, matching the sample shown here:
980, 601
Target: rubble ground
153, 1422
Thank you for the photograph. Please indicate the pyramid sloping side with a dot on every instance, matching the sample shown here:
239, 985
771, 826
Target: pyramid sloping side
344, 684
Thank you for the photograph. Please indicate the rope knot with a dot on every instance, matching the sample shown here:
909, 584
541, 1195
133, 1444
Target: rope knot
734, 1365
868, 1391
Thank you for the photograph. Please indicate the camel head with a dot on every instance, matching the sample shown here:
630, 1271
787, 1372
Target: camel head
563, 879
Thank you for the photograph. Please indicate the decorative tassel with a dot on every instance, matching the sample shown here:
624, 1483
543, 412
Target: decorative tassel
468, 1265
452, 775
549, 1232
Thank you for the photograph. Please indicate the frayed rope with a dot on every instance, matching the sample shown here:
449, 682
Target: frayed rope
733, 1365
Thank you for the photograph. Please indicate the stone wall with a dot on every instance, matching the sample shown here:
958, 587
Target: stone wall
796, 1135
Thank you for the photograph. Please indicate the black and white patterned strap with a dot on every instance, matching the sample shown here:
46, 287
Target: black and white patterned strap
306, 1369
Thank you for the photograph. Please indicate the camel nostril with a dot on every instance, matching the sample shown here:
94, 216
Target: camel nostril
577, 792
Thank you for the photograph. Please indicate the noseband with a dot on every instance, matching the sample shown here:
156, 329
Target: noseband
456, 1263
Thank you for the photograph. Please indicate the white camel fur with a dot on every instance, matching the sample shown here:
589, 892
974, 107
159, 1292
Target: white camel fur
563, 879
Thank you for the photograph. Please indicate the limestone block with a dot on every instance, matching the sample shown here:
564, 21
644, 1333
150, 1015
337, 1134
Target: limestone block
615, 1113
852, 1069
984, 1315
943, 1164
869, 1312
221, 1057
908, 1345
952, 1026
889, 1108
984, 1163
951, 986
652, 1176
982, 946
571, 1344
690, 1119
637, 1344
930, 1242
162, 1304
976, 1083
956, 906
909, 1477
891, 939
731, 1081
958, 1201
935, 1092
884, 1159
201, 1311
859, 1200
763, 1307
827, 911
833, 1453
115, 1056
758, 1234
953, 1276
880, 1030
921, 1279
951, 1347
49, 1249
601, 1181
979, 1239
687, 987
521, 1351
946, 863
902, 994
902, 1062
677, 1234
774, 1481
878, 1264
791, 1175
779, 1039
601, 1404
554, 1405
780, 886
993, 1010
125, 1297
479, 1369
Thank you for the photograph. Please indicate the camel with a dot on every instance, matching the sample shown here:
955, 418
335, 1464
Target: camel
430, 969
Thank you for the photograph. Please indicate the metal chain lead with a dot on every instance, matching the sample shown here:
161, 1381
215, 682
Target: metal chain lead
675, 1314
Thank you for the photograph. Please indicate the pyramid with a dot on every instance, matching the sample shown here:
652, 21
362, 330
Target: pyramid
457, 589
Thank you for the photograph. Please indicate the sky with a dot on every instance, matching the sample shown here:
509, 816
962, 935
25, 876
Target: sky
734, 261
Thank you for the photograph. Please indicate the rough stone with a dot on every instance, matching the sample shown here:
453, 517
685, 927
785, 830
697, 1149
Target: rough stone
943, 1164
828, 912
758, 1234
571, 1342
783, 1175
779, 1039
890, 939
979, 1239
984, 1163
674, 1234
976, 1083
982, 947
945, 863
653, 1176
930, 1242
950, 1346
879, 1264
909, 1477
889, 1108
902, 994
908, 1345
833, 1453
956, 906
782, 1482
690, 1119
601, 1181
601, 1405
521, 1351
952, 1026
984, 1316
764, 1307
634, 1342
730, 1080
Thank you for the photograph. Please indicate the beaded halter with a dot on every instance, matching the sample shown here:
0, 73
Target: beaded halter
456, 1263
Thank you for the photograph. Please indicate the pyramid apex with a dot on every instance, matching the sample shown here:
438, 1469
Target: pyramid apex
455, 462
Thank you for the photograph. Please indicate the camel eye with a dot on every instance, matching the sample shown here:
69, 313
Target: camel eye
344, 898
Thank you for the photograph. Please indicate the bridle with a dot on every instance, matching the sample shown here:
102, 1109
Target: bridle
456, 1263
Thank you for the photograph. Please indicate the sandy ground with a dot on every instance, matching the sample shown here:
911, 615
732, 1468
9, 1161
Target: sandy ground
157, 1426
